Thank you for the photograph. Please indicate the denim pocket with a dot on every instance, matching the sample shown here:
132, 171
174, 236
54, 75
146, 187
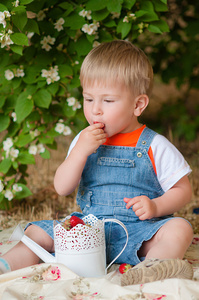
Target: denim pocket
116, 162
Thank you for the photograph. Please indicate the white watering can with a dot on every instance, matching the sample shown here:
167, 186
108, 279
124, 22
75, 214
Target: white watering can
82, 248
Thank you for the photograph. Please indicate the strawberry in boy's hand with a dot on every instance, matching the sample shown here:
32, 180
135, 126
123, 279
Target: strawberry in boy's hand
72, 222
99, 122
124, 268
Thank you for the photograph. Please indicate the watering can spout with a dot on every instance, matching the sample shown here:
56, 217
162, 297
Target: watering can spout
18, 235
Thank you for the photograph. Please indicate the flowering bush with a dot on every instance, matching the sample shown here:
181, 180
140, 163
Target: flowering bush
43, 44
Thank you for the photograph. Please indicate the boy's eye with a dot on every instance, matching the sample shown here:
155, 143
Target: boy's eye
108, 100
88, 99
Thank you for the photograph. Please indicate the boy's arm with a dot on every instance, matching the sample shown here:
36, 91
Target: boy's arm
171, 201
69, 173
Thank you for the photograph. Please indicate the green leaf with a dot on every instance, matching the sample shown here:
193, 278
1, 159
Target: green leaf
53, 88
128, 3
82, 46
114, 5
45, 154
65, 70
100, 15
4, 122
123, 28
94, 5
2, 101
110, 23
2, 7
74, 21
159, 26
19, 39
19, 17
17, 49
46, 140
160, 6
32, 26
26, 158
5, 165
23, 107
24, 193
23, 139
68, 110
42, 98
25, 2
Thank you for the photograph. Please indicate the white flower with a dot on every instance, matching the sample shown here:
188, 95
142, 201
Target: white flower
30, 35
19, 73
46, 41
88, 15
51, 75
41, 15
32, 149
74, 103
17, 188
1, 186
40, 148
87, 29
59, 23
9, 75
5, 39
126, 19
84, 13
14, 116
59, 127
50, 39
9, 195
115, 15
7, 144
95, 44
44, 73
71, 101
3, 15
16, 3
67, 130
36, 132
14, 152
77, 105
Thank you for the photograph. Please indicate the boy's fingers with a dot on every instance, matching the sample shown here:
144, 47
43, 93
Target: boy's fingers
131, 201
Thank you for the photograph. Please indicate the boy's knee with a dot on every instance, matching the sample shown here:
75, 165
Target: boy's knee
183, 230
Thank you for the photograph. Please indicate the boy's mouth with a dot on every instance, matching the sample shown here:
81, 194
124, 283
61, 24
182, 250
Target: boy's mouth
99, 122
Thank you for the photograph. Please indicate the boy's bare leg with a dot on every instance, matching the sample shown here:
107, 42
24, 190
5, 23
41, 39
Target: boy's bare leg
171, 241
20, 256
164, 253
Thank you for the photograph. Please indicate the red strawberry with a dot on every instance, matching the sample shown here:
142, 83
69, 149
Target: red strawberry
99, 122
124, 268
72, 222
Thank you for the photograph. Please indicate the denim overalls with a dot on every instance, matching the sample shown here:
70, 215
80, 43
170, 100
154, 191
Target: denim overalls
110, 174
115, 172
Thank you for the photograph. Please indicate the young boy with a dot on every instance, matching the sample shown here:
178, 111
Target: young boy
124, 170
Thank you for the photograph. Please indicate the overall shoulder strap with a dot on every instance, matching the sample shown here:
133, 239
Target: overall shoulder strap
146, 138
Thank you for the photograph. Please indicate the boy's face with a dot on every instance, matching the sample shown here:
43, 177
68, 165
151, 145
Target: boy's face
111, 104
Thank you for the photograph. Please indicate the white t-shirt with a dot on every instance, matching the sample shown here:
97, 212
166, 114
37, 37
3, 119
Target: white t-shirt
170, 163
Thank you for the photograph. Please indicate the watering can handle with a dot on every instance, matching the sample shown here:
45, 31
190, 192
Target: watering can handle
127, 237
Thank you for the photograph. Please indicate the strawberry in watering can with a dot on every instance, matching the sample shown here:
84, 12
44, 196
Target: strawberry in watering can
79, 245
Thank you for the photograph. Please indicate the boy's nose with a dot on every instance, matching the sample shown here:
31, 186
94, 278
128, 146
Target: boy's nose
96, 109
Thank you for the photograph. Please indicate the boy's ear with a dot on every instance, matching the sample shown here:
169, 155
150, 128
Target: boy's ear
141, 103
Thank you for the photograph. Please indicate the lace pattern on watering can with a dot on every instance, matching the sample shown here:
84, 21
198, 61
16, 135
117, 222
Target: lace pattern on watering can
81, 237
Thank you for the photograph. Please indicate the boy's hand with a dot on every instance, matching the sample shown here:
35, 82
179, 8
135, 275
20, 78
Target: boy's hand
143, 207
91, 138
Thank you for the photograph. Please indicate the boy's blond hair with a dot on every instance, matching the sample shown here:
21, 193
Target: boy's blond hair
119, 61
